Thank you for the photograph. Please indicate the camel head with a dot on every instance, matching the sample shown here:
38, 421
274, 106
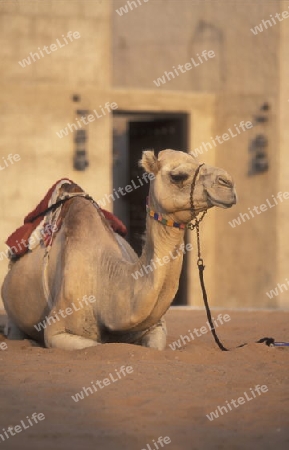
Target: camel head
170, 189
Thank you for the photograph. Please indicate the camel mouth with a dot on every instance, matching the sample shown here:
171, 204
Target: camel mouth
197, 210
222, 203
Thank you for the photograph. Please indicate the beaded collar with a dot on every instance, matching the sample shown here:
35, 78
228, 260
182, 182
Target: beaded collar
162, 220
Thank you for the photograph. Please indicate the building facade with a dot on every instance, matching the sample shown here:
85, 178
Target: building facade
142, 69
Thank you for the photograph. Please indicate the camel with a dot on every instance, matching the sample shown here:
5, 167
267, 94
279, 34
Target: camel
95, 296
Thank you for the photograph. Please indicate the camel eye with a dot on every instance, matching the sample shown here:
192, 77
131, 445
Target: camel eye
179, 177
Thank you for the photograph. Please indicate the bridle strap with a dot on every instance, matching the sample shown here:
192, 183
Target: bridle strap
193, 188
200, 263
194, 218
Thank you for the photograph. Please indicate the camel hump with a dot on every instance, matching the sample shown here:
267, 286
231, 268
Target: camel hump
18, 241
116, 224
37, 224
70, 188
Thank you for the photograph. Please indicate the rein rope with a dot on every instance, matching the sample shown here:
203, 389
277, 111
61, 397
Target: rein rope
62, 200
200, 263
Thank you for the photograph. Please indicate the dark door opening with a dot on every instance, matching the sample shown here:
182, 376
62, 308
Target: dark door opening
133, 133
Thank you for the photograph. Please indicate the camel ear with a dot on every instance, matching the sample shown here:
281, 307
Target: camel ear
149, 162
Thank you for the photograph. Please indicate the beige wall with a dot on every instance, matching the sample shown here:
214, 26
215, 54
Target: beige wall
36, 102
250, 259
246, 255
152, 38
282, 275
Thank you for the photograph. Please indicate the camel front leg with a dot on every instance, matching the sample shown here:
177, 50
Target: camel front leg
56, 335
156, 337
13, 332
67, 341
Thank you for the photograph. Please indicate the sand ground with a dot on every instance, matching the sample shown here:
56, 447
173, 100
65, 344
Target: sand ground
167, 394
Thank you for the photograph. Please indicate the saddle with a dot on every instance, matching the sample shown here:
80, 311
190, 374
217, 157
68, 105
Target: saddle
37, 224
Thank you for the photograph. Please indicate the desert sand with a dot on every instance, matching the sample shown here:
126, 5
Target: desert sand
167, 394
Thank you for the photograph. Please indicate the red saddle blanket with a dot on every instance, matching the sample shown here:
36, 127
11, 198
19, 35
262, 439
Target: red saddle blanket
18, 240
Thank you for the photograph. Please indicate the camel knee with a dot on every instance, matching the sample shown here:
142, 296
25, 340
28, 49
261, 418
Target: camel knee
13, 332
156, 337
67, 341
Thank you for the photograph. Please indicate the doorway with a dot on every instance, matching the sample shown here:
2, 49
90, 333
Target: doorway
132, 133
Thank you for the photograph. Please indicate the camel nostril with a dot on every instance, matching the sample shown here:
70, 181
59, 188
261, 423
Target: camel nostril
225, 182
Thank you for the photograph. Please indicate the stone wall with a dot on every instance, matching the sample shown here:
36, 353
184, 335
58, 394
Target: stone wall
150, 41
153, 37
36, 101
283, 161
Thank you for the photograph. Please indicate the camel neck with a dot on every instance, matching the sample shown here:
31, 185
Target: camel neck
158, 270
160, 239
